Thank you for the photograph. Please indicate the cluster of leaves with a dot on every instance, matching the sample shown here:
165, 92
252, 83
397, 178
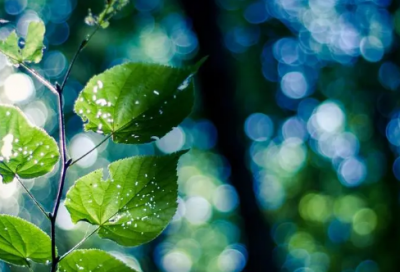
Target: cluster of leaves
132, 103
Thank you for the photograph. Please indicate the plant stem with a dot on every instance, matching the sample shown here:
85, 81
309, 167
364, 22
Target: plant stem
63, 150
63, 146
65, 164
40, 78
91, 150
79, 244
33, 198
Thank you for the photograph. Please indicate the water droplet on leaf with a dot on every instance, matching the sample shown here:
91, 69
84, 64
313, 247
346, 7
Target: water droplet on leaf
21, 43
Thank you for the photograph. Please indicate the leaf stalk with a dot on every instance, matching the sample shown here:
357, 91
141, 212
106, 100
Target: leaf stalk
78, 244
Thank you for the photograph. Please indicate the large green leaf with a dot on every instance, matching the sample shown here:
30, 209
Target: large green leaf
132, 206
29, 50
92, 260
21, 241
136, 102
25, 150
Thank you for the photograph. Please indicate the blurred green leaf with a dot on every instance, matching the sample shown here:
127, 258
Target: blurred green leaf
33, 50
136, 102
110, 9
134, 205
93, 260
29, 50
9, 47
25, 150
21, 241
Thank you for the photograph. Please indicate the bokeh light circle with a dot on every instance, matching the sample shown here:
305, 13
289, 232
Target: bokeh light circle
231, 260
294, 85
198, 210
372, 49
177, 261
352, 172
173, 141
19, 87
15, 7
330, 117
259, 127
396, 168
364, 221
79, 146
368, 266
54, 64
393, 132
256, 13
225, 198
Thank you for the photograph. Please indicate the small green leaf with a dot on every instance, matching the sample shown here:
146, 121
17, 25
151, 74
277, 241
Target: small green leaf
32, 48
136, 102
25, 150
21, 241
9, 47
134, 205
93, 260
110, 9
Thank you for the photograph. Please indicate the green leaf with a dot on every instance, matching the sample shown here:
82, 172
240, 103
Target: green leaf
25, 150
110, 9
33, 45
136, 102
132, 206
9, 47
93, 260
21, 241
33, 50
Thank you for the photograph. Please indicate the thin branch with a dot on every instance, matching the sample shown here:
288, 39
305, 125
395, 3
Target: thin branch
83, 45
60, 190
27, 191
80, 48
79, 244
39, 77
33, 198
63, 148
91, 150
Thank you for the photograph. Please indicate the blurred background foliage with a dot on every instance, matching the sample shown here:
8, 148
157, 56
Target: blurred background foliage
296, 122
